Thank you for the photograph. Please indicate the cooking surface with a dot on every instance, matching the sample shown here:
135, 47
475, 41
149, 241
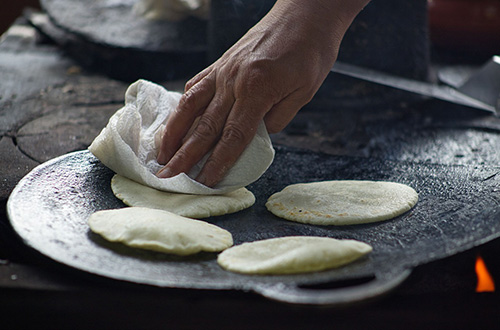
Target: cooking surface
458, 208
50, 107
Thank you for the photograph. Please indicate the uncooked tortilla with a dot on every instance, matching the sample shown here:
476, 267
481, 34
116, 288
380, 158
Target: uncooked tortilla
342, 202
291, 255
159, 230
187, 205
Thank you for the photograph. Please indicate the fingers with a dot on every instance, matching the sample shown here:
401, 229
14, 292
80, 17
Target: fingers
202, 139
239, 129
192, 103
225, 126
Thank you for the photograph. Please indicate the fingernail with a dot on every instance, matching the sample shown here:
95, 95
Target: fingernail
164, 173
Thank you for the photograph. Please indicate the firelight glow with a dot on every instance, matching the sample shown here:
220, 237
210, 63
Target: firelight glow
485, 282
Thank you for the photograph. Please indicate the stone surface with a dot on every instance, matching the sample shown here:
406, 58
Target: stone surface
48, 106
25, 77
14, 165
63, 131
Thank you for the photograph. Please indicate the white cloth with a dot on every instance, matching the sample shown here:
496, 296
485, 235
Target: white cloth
129, 143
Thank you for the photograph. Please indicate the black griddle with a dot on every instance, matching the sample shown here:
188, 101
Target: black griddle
458, 208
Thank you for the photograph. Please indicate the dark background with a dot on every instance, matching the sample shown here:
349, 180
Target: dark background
10, 10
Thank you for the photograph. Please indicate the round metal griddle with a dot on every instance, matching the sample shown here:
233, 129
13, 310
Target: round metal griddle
458, 208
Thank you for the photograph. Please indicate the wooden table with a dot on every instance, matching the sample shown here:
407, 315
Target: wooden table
50, 106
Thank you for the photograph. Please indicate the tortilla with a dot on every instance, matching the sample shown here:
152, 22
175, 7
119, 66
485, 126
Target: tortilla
291, 255
159, 230
187, 205
342, 202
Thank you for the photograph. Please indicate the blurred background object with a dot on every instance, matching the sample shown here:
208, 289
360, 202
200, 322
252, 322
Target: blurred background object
10, 10
467, 27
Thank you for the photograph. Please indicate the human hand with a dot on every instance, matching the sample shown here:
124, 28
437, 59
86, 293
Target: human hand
269, 74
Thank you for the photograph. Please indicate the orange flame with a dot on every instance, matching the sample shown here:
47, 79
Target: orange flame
485, 282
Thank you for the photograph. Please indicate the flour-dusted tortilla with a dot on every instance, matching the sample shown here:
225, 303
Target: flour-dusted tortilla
291, 255
342, 202
187, 205
159, 230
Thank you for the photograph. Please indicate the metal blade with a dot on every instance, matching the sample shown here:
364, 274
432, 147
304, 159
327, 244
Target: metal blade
444, 93
484, 84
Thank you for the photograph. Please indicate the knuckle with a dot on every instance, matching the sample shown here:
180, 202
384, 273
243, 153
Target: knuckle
187, 102
257, 73
181, 161
261, 81
190, 83
234, 135
196, 79
181, 156
214, 171
216, 166
207, 127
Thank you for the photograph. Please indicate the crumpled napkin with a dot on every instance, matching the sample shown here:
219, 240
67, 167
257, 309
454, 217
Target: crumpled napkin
129, 143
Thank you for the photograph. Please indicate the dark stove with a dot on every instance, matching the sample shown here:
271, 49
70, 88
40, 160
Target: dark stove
45, 91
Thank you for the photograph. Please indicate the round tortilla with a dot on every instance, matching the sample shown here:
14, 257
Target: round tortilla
342, 202
291, 255
159, 230
187, 205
